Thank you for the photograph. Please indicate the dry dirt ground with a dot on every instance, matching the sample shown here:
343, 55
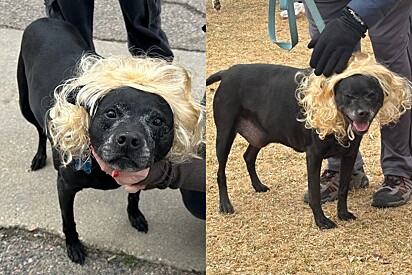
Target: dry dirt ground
274, 232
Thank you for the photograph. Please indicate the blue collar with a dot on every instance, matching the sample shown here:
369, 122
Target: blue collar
86, 165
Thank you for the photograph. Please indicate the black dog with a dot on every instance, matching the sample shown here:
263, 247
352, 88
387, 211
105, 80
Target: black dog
258, 101
133, 128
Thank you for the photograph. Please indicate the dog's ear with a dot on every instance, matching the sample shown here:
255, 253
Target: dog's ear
336, 87
68, 125
376, 81
71, 98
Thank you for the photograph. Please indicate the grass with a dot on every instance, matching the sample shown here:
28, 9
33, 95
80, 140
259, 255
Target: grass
274, 232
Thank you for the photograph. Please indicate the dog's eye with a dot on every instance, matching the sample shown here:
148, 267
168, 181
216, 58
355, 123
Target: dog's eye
111, 113
157, 121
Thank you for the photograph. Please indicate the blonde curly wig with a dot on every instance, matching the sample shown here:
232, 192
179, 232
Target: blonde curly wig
316, 95
69, 123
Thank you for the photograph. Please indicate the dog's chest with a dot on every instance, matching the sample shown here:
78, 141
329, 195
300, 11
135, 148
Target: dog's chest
96, 179
331, 148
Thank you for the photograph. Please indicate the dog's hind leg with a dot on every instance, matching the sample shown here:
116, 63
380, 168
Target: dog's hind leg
250, 158
224, 141
136, 216
39, 160
66, 192
345, 173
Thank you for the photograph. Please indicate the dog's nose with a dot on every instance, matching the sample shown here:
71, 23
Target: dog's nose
363, 113
128, 139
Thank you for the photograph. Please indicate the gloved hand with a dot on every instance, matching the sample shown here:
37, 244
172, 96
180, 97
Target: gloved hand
334, 46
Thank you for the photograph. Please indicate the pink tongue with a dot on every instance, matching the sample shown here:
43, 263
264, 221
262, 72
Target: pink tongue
360, 126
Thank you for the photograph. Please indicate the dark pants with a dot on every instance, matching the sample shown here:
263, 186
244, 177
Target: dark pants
141, 17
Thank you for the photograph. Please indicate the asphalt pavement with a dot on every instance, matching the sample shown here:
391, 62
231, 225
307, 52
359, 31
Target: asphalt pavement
28, 200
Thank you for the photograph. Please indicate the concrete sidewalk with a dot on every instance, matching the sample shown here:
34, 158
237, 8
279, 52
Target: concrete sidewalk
30, 198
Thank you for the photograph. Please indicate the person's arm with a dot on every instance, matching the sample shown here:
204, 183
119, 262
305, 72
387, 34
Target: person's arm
372, 12
334, 46
190, 175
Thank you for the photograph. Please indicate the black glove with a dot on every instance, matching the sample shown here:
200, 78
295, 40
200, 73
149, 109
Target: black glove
334, 46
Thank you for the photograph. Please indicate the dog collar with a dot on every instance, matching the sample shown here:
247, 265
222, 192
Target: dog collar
86, 165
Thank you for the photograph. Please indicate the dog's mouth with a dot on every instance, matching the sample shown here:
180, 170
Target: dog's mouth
127, 164
122, 162
360, 127
126, 171
356, 126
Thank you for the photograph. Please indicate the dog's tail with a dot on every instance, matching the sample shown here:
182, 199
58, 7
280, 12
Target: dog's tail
215, 77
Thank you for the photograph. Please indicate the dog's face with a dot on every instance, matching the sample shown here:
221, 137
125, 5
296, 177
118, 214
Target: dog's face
132, 129
359, 99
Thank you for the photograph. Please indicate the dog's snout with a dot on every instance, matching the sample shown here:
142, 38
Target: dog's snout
363, 113
128, 139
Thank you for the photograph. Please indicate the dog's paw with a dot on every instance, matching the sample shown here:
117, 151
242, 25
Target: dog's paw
38, 162
260, 187
226, 208
75, 251
138, 221
346, 216
325, 223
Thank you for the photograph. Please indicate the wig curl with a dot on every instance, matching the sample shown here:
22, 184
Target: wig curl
316, 95
69, 123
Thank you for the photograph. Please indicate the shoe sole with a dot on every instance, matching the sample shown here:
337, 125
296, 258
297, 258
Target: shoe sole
384, 204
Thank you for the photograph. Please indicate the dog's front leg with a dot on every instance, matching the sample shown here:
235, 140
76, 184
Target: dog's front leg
39, 160
346, 167
75, 249
136, 216
313, 163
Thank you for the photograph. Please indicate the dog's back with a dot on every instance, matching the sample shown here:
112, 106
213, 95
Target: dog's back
53, 58
49, 51
254, 97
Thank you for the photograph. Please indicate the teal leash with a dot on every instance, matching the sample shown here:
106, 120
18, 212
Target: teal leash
320, 24
283, 5
289, 7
